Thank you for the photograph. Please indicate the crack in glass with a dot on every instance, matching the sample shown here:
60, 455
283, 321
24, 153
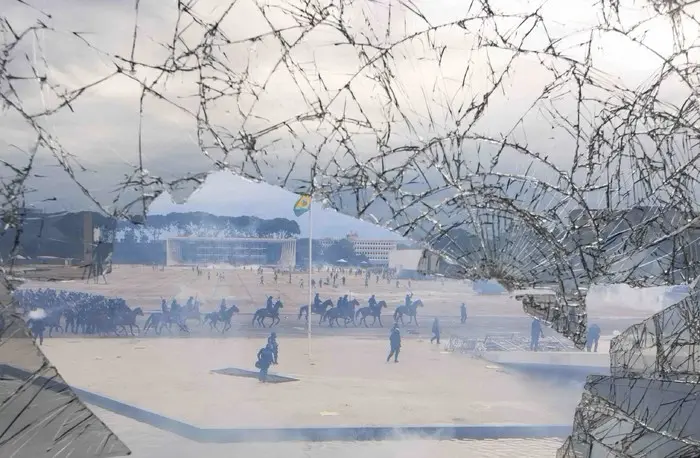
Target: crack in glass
583, 178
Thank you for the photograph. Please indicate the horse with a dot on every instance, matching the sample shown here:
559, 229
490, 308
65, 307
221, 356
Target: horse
212, 318
174, 316
332, 314
128, 318
350, 312
104, 324
318, 309
155, 321
375, 312
261, 314
410, 311
346, 312
225, 317
191, 312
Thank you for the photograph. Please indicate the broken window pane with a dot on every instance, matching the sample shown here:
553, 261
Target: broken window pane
518, 146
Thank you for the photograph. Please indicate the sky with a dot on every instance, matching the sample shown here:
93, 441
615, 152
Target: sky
226, 194
379, 103
107, 133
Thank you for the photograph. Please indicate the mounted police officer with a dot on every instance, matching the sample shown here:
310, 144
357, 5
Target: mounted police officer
372, 301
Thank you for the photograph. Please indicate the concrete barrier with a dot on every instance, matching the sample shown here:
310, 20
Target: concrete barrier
305, 434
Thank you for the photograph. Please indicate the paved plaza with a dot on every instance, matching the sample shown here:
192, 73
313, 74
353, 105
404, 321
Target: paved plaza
346, 381
349, 383
149, 442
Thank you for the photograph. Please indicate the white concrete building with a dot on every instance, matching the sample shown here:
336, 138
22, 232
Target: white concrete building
240, 251
376, 250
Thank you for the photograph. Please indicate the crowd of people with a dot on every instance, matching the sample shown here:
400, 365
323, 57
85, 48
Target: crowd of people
83, 312
78, 307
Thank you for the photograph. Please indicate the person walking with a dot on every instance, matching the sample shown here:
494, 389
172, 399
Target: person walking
436, 331
272, 342
37, 327
535, 334
394, 343
265, 359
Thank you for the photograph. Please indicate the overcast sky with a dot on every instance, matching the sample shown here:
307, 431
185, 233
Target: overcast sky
229, 195
433, 74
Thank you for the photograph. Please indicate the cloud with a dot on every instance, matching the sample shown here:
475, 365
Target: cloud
269, 87
410, 119
229, 195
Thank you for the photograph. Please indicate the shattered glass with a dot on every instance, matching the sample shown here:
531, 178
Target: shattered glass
585, 176
39, 413
648, 405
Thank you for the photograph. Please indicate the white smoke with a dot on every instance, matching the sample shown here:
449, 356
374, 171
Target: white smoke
38, 314
601, 298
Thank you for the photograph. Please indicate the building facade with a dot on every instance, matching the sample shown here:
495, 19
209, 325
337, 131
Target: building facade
234, 251
376, 250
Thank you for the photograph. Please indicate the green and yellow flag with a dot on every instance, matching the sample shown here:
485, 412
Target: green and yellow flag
303, 205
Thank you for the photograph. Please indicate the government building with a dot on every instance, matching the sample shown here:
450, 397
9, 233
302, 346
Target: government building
235, 251
376, 250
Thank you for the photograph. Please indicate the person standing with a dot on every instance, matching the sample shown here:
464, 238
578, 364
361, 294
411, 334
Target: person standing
463, 313
272, 342
535, 334
37, 327
436, 331
592, 338
394, 343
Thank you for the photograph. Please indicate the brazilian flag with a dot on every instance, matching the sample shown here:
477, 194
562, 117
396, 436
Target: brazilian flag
303, 205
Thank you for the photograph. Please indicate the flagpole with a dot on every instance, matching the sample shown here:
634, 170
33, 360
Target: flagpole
311, 294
